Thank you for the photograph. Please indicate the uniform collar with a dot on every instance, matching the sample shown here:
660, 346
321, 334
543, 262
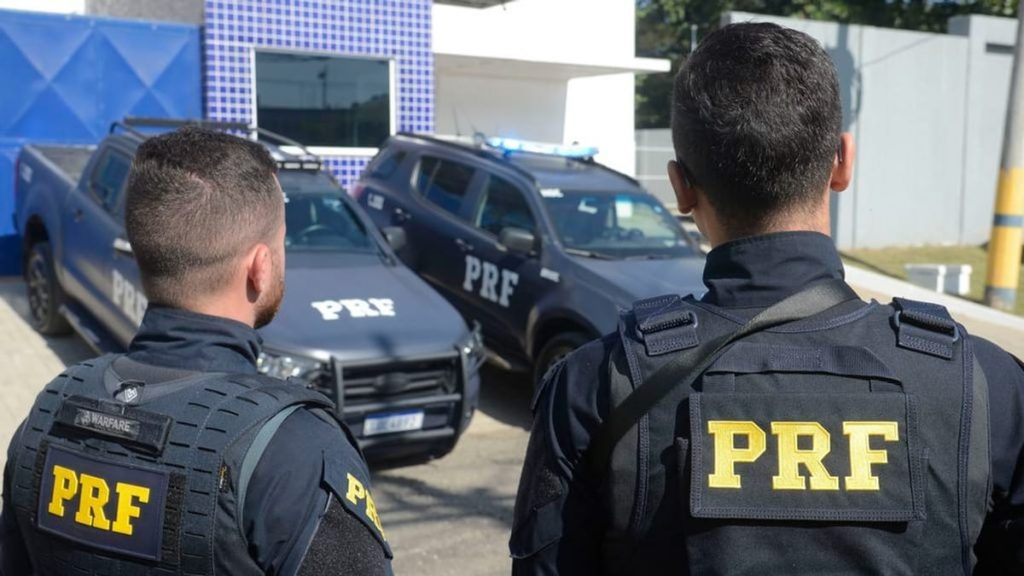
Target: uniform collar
177, 338
759, 271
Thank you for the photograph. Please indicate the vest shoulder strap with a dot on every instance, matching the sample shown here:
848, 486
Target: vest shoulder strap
665, 324
925, 327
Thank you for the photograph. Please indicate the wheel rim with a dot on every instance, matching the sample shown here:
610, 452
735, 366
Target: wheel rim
38, 290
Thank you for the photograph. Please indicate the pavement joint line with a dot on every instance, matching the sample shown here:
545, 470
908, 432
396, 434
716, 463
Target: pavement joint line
859, 277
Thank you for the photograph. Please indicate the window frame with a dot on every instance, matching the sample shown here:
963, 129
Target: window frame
481, 200
115, 208
468, 200
332, 150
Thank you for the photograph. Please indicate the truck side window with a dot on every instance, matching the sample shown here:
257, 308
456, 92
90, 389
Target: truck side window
503, 207
108, 180
385, 164
443, 183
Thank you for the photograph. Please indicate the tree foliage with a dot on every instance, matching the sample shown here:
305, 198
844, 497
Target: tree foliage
664, 30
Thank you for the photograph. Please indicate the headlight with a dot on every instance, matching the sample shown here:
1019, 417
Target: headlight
285, 366
472, 347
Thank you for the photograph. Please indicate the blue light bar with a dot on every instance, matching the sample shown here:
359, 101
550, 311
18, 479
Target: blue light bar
509, 145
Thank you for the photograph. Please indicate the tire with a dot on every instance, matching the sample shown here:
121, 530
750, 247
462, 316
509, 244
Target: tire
45, 296
556, 348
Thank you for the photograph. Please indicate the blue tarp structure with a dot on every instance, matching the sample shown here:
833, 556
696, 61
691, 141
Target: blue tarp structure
66, 78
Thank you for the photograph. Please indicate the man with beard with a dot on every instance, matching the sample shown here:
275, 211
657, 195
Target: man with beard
178, 457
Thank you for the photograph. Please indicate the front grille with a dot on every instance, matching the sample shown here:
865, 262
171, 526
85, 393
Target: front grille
395, 380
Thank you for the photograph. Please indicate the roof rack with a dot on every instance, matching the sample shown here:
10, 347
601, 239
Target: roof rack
306, 158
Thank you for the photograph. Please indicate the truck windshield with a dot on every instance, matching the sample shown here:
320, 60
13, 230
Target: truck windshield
318, 217
628, 225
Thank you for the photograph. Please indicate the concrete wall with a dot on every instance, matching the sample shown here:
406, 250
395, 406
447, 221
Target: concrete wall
184, 11
510, 107
552, 77
927, 113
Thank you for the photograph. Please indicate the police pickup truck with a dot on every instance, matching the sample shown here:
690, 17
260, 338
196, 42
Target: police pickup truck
356, 323
539, 243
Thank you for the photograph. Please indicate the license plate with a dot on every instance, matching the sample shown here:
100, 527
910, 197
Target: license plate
393, 422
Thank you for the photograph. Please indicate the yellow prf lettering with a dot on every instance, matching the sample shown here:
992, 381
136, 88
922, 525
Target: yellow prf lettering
93, 495
861, 454
126, 508
791, 457
357, 492
726, 452
65, 486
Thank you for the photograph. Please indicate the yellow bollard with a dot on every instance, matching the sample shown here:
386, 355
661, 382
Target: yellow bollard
1004, 248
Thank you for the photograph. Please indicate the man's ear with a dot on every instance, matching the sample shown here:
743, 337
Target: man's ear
686, 193
842, 166
259, 271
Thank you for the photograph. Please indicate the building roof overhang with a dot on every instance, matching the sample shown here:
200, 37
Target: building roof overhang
565, 69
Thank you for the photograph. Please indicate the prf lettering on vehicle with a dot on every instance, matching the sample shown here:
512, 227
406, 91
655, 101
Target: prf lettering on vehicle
488, 275
355, 308
128, 298
102, 504
792, 460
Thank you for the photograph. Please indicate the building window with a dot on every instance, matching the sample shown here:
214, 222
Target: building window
325, 101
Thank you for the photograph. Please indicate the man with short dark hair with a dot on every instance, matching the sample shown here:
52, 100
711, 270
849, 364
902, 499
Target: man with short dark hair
178, 457
778, 424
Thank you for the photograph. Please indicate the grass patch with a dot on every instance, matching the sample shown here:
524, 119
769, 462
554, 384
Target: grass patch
890, 261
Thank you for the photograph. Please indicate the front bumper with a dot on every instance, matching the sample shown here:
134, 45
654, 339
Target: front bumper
445, 387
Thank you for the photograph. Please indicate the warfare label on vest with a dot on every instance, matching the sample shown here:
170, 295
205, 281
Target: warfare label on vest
102, 504
824, 457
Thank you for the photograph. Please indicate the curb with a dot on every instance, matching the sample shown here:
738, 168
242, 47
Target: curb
859, 277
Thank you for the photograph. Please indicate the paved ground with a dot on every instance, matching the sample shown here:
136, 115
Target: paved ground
450, 516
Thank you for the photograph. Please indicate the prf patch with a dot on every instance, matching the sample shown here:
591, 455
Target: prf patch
826, 457
353, 494
101, 504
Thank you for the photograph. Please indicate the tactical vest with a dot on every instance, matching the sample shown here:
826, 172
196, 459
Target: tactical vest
103, 487
854, 443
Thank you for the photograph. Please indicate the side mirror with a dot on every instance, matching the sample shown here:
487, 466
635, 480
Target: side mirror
518, 241
395, 235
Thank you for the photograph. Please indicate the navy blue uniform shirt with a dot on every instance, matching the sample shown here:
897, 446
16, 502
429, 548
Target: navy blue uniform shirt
743, 277
289, 513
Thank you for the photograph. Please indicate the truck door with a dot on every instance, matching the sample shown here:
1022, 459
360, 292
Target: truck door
95, 247
436, 229
503, 285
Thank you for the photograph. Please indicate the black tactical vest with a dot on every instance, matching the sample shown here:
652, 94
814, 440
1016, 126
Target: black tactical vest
104, 487
852, 444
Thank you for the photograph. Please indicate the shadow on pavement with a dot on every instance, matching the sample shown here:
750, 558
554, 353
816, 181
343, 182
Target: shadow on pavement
413, 501
505, 396
70, 349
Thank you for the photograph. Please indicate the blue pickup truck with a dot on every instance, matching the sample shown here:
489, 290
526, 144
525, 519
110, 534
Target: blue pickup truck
356, 323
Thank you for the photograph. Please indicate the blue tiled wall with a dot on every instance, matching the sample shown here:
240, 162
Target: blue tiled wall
399, 29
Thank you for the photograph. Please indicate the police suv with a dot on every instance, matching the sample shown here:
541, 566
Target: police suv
355, 323
538, 243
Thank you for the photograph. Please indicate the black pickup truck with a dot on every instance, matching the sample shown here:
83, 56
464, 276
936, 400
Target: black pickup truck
356, 323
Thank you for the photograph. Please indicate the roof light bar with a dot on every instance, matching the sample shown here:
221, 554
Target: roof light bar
298, 165
509, 145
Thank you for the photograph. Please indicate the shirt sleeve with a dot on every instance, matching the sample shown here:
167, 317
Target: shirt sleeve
13, 555
558, 525
311, 482
1000, 548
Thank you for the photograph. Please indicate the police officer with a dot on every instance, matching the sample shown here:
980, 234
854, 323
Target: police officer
778, 424
177, 457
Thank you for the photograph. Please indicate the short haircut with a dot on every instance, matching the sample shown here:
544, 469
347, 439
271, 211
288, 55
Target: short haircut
197, 200
756, 120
